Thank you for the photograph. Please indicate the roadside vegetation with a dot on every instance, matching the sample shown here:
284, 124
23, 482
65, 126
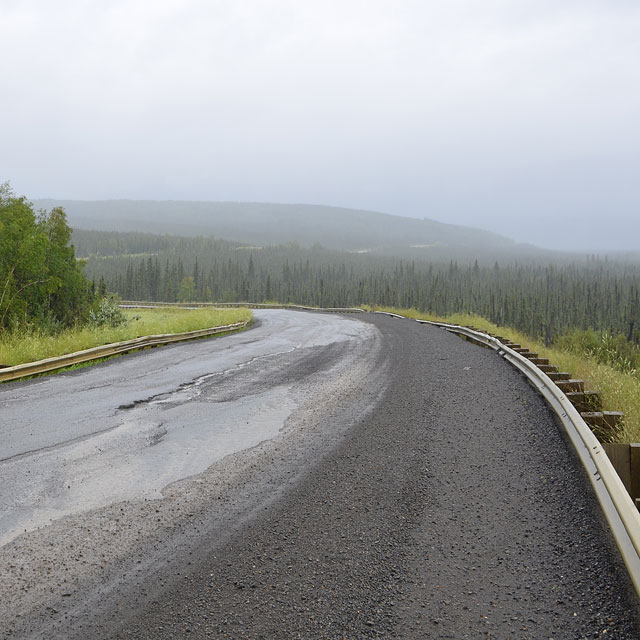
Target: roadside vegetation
18, 347
598, 358
41, 282
48, 307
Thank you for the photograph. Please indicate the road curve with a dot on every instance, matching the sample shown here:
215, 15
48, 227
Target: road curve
69, 443
418, 488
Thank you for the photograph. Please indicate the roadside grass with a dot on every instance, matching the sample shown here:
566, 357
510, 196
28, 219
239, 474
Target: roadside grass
620, 391
20, 347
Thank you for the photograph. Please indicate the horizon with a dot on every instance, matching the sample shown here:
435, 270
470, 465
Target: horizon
515, 118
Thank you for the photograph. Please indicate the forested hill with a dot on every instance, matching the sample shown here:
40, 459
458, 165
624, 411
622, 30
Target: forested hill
540, 299
269, 224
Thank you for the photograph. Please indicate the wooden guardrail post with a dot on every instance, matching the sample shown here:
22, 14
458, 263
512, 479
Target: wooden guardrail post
570, 385
559, 375
634, 470
605, 424
619, 454
626, 460
585, 400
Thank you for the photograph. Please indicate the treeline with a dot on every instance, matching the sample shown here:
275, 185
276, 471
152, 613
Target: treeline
543, 301
41, 282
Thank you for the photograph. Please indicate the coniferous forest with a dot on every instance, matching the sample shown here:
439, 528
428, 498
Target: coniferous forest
544, 300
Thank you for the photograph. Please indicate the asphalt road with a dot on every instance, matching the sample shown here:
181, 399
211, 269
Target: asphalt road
391, 480
126, 430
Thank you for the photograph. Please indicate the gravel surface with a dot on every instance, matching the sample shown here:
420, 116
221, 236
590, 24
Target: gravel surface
423, 491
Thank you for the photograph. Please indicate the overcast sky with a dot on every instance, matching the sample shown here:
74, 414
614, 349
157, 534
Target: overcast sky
518, 116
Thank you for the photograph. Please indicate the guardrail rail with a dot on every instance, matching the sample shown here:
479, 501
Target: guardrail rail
95, 353
129, 304
616, 503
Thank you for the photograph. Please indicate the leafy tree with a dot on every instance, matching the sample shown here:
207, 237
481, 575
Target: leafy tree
67, 299
22, 259
40, 280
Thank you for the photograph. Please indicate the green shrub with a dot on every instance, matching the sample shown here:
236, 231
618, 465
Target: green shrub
108, 314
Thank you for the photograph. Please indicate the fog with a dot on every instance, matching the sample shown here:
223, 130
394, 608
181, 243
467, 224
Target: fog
517, 117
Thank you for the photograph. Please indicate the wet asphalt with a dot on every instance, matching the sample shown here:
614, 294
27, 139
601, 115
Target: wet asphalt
129, 427
450, 507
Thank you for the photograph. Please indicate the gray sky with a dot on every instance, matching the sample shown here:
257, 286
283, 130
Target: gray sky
519, 116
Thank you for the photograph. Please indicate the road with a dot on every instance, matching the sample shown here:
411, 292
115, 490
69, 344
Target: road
124, 431
315, 477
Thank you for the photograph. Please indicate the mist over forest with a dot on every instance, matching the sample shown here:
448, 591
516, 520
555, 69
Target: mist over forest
264, 224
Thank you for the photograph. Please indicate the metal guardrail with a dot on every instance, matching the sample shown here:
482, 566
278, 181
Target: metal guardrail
95, 353
621, 514
127, 304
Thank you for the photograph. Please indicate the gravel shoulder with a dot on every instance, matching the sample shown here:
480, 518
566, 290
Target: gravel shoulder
423, 490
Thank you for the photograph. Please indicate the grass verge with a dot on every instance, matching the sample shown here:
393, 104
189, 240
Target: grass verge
620, 391
20, 347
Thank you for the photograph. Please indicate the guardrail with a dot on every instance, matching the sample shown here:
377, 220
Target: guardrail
618, 508
95, 353
128, 304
